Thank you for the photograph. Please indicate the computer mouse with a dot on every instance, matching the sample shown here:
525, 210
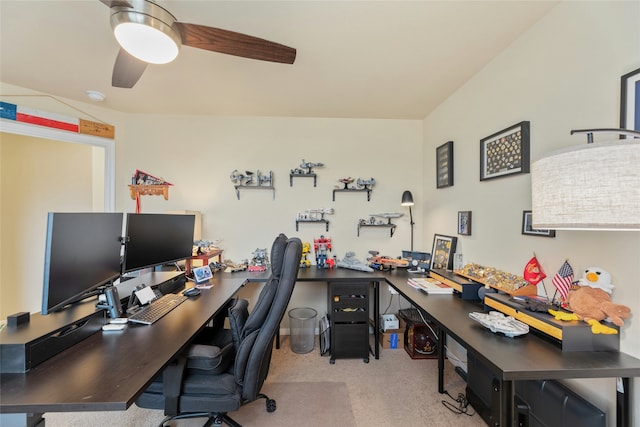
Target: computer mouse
191, 292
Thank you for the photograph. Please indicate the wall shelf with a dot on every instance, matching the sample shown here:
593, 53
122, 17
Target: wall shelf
254, 187
337, 190
326, 221
392, 227
302, 175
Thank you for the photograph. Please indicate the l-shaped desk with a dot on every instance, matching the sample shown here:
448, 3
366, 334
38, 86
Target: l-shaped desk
107, 371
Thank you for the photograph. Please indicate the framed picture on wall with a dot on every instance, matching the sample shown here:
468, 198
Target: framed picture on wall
527, 220
464, 223
630, 101
442, 252
444, 165
505, 152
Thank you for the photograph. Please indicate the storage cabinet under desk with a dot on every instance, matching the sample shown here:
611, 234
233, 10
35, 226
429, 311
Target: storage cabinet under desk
348, 307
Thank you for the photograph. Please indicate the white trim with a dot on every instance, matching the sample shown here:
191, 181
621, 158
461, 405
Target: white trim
12, 126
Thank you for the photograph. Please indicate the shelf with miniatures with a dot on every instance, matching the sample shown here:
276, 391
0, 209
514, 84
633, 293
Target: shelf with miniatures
361, 185
252, 180
314, 215
305, 170
373, 222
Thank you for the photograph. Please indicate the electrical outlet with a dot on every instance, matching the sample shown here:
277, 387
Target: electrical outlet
392, 290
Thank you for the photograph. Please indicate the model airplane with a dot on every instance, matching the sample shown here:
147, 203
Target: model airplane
365, 183
306, 168
346, 182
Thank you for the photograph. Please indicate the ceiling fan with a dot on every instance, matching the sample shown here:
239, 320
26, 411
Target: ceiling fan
150, 34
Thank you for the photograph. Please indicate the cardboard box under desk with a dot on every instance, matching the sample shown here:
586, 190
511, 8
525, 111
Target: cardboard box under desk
392, 338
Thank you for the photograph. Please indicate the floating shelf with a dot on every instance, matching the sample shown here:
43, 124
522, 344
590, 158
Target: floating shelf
254, 187
392, 227
326, 221
337, 190
302, 175
149, 190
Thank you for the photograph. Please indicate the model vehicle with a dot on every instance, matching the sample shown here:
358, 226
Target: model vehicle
306, 249
365, 183
385, 263
306, 168
346, 182
322, 246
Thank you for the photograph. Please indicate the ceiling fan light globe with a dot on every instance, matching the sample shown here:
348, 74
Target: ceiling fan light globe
146, 43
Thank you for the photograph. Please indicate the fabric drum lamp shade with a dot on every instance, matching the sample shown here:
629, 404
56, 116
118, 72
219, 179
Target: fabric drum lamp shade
590, 187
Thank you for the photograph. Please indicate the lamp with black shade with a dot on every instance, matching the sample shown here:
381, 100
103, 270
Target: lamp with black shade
407, 200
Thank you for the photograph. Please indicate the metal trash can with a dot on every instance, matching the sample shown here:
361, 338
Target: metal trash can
302, 322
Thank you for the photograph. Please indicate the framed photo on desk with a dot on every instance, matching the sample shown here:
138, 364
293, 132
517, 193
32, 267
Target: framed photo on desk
442, 252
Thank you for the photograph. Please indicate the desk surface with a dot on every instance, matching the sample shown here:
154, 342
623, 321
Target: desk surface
93, 375
521, 358
108, 370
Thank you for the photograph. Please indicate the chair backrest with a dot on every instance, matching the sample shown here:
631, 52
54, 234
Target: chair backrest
254, 353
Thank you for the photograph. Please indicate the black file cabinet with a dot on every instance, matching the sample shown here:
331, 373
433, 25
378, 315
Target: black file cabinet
348, 307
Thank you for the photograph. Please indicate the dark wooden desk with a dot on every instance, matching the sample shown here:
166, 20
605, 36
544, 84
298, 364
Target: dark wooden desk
108, 370
528, 357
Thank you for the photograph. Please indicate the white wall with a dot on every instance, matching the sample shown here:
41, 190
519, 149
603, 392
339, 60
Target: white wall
197, 155
559, 77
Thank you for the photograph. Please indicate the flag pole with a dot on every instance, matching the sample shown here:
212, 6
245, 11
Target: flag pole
546, 294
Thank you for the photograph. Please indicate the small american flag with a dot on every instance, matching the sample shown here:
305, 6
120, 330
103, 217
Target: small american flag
563, 280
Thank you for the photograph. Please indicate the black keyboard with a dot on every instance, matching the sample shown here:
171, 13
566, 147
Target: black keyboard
157, 308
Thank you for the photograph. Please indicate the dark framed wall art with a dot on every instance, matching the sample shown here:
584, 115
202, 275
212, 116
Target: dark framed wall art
442, 252
527, 229
505, 152
464, 223
630, 101
444, 165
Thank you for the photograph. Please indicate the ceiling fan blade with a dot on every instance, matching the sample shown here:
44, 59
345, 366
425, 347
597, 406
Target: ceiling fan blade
119, 3
232, 43
127, 70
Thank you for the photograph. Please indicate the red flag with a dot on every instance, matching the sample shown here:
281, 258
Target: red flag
563, 280
533, 271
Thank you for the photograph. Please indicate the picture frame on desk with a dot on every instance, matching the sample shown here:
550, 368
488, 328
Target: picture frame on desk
505, 152
442, 252
444, 165
527, 220
630, 101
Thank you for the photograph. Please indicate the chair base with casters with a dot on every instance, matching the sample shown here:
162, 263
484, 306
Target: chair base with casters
217, 419
191, 386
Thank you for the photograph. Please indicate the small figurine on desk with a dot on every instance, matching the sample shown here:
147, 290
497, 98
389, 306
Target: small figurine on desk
259, 260
351, 262
306, 249
385, 263
321, 247
591, 302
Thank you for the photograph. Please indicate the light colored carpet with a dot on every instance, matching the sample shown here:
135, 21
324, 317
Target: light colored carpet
309, 391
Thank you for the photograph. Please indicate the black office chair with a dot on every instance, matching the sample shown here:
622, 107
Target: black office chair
186, 390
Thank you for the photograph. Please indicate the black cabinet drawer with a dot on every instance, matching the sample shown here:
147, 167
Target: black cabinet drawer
350, 340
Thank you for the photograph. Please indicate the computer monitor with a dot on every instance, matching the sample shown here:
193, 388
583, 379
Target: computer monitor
156, 239
82, 253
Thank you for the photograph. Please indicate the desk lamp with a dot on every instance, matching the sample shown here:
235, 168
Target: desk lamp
590, 187
407, 200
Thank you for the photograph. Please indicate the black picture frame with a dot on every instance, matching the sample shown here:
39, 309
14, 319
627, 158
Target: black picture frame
442, 252
444, 165
527, 221
464, 223
630, 101
505, 152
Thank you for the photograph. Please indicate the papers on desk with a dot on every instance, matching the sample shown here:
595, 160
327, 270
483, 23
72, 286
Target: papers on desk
429, 285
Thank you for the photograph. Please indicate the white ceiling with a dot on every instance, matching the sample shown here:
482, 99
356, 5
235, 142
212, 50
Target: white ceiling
355, 59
